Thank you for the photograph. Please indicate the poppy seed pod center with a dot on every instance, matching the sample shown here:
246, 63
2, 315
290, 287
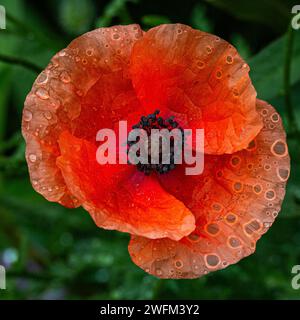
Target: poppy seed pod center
156, 156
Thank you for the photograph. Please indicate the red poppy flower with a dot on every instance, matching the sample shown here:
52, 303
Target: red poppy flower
182, 226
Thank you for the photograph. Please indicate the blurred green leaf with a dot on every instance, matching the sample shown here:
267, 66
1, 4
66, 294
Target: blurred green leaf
241, 45
199, 19
76, 16
152, 20
115, 9
264, 12
268, 65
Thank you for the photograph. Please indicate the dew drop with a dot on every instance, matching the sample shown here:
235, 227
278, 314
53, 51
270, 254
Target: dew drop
212, 260
194, 237
275, 117
257, 188
62, 53
116, 36
42, 93
231, 218
48, 115
279, 148
42, 78
32, 157
229, 59
178, 264
270, 194
212, 228
234, 242
235, 160
89, 52
237, 186
200, 64
219, 74
283, 173
158, 272
65, 77
27, 116
209, 49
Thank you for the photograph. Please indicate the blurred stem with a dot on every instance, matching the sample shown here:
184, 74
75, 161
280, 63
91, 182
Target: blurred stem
22, 62
287, 80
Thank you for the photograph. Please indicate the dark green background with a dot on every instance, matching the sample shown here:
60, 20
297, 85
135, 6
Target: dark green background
55, 253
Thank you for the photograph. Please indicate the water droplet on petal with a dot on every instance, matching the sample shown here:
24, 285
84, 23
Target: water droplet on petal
209, 49
27, 115
89, 52
158, 272
32, 157
42, 78
64, 77
42, 93
48, 115
229, 59
116, 36
219, 74
62, 53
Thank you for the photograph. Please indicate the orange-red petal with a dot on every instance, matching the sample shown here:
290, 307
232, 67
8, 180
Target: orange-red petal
85, 87
118, 197
235, 202
192, 72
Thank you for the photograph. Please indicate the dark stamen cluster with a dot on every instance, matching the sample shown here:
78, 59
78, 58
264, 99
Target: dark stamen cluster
153, 121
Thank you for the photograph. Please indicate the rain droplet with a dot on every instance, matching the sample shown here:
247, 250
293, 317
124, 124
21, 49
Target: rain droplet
219, 74
89, 52
229, 59
42, 78
65, 77
32, 157
116, 36
42, 93
158, 272
209, 49
27, 116
48, 115
62, 53
200, 64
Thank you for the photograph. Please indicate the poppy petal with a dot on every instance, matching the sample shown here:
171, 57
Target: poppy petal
118, 197
85, 87
195, 73
238, 200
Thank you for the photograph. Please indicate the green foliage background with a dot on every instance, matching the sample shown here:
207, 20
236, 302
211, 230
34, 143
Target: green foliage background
55, 253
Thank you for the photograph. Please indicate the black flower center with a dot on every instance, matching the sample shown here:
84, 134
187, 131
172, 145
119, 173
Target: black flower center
154, 121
